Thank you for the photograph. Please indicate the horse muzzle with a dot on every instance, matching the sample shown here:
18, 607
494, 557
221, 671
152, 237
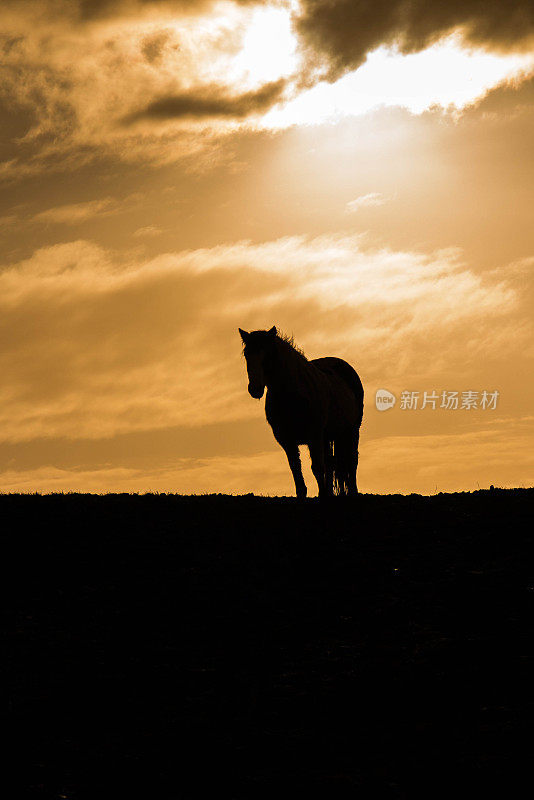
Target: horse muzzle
256, 391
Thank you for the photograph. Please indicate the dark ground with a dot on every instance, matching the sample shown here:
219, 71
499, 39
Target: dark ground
243, 647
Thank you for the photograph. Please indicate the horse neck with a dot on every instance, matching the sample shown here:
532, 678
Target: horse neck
287, 368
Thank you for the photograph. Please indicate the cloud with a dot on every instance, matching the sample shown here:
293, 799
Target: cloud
67, 87
424, 464
8, 220
211, 102
339, 34
192, 74
445, 74
91, 9
96, 345
74, 213
510, 98
147, 230
370, 200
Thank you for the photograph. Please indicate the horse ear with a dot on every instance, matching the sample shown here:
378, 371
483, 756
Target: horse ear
272, 331
244, 335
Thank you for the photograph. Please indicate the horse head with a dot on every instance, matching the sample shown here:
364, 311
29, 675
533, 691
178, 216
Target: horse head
258, 350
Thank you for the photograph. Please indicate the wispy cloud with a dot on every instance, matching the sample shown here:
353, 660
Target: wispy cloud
96, 345
147, 231
424, 464
74, 213
211, 102
365, 201
7, 220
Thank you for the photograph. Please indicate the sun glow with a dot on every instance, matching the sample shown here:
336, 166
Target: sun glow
269, 48
445, 74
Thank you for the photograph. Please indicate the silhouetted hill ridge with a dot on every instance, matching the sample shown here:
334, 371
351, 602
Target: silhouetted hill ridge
244, 646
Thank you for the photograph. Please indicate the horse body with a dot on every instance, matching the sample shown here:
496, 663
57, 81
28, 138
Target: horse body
318, 403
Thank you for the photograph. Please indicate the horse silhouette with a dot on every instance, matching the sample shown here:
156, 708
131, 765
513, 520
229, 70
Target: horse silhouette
318, 403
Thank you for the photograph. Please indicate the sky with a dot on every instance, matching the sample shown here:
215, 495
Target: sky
360, 175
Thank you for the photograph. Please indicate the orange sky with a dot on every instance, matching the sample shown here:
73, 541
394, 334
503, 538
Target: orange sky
363, 179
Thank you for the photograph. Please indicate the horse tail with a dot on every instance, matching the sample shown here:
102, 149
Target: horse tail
341, 452
342, 455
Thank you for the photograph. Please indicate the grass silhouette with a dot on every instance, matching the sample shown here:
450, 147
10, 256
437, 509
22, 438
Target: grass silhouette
244, 646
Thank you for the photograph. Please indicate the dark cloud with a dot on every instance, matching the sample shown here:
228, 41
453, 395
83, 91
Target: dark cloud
154, 45
340, 33
211, 103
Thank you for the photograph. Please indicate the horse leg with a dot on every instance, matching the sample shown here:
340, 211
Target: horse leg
293, 457
328, 467
317, 455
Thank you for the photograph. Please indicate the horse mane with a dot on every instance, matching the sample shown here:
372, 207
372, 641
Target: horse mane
289, 343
